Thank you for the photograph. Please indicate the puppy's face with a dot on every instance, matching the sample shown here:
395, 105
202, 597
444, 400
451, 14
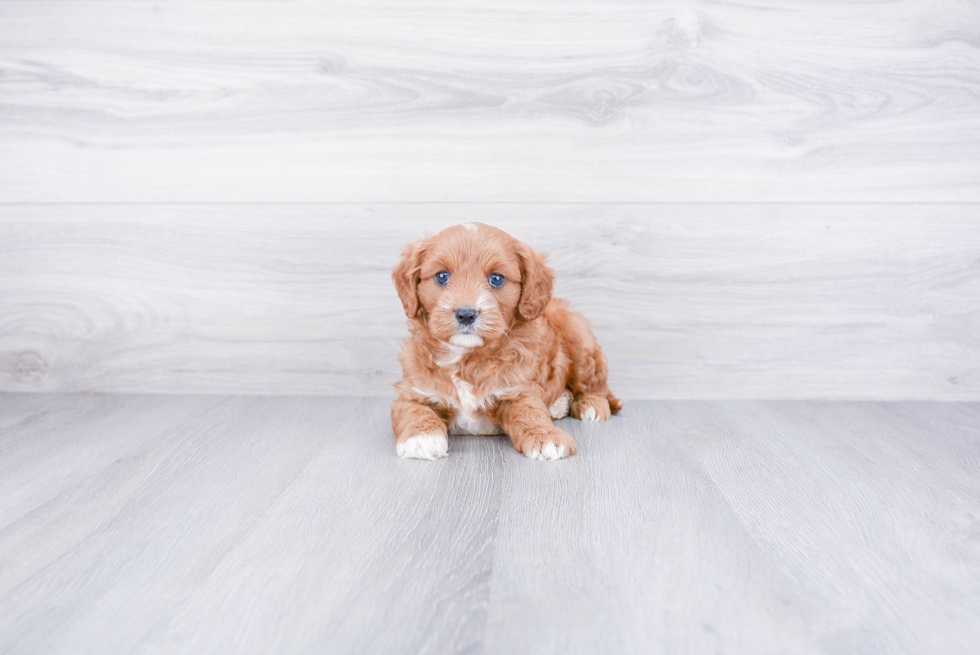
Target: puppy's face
469, 283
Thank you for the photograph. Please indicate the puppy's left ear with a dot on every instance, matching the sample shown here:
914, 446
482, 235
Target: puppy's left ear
537, 280
406, 279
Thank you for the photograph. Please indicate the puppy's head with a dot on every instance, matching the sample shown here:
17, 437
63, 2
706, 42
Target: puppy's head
469, 283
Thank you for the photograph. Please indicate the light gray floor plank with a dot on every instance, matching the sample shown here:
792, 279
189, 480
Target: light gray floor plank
363, 553
177, 505
254, 525
53, 448
631, 548
464, 100
198, 550
873, 518
867, 301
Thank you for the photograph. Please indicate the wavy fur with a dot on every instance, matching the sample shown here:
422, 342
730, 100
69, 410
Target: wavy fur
523, 353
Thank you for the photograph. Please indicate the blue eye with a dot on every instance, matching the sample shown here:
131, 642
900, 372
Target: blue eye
442, 277
496, 280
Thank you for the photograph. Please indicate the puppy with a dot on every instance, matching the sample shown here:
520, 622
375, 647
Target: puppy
490, 350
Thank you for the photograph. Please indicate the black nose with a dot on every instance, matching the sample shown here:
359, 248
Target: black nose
465, 315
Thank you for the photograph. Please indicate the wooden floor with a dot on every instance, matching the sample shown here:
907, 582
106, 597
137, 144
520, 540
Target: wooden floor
194, 524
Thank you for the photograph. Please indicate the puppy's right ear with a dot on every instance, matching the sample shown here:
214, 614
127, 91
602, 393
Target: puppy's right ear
406, 277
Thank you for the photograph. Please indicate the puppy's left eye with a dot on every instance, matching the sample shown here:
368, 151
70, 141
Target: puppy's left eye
496, 280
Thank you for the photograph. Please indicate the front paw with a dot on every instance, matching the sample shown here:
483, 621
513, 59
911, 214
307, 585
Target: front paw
547, 442
423, 446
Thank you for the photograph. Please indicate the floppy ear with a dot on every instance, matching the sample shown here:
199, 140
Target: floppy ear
406, 279
536, 282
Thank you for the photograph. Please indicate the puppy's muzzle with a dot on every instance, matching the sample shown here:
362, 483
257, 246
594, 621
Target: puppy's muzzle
465, 316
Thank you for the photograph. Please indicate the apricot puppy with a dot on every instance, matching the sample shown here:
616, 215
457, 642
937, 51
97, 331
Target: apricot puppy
490, 350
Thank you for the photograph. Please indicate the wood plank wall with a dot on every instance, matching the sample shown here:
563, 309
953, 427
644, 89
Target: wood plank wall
763, 199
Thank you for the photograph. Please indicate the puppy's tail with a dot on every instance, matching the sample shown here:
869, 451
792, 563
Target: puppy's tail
615, 404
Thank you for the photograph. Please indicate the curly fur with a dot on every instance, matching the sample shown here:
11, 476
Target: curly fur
525, 351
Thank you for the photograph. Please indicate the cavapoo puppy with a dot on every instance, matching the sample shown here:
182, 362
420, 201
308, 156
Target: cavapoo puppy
490, 350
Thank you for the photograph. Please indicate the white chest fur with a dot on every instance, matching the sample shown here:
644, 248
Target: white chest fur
469, 417
470, 409
468, 406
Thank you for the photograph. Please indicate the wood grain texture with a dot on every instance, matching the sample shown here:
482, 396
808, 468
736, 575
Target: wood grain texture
451, 100
689, 301
253, 525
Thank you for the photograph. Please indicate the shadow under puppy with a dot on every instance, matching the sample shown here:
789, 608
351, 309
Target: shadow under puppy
490, 350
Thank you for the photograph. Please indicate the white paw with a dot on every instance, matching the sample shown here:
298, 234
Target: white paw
589, 415
550, 451
561, 407
423, 446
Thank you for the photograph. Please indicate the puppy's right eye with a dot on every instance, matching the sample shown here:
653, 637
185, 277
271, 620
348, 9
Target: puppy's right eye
442, 277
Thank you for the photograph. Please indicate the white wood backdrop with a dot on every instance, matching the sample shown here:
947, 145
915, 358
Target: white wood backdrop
469, 100
822, 161
743, 300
